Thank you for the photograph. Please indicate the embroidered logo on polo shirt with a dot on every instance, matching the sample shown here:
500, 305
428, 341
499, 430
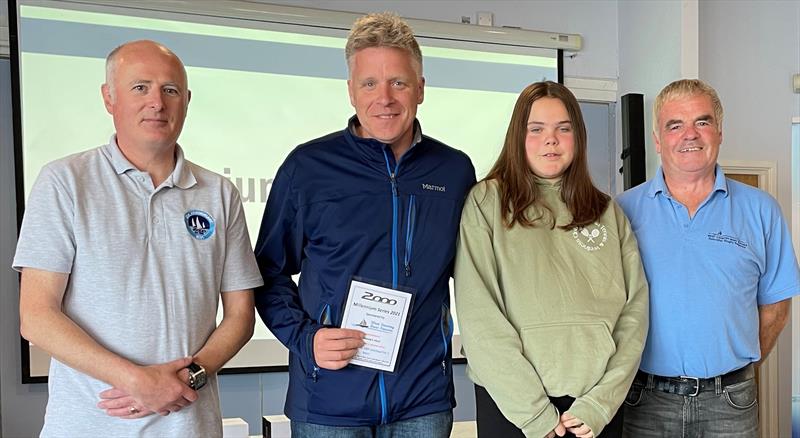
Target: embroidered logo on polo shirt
592, 237
200, 224
733, 240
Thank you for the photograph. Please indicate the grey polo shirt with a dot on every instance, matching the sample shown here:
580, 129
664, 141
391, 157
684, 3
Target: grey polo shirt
146, 265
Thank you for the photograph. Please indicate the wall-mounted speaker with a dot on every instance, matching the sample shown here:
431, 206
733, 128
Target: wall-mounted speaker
633, 159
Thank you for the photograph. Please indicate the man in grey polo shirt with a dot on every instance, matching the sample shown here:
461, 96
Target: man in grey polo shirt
125, 251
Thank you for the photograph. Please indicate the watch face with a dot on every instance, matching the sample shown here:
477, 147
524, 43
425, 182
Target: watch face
200, 380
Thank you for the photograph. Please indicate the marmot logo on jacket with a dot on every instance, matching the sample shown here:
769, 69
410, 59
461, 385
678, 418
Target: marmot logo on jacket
592, 237
434, 188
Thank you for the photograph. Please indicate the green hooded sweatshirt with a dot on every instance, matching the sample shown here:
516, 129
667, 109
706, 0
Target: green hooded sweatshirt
549, 312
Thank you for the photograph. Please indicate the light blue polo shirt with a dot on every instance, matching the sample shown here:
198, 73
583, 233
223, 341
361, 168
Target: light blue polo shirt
708, 274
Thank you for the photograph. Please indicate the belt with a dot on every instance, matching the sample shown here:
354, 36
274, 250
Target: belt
691, 386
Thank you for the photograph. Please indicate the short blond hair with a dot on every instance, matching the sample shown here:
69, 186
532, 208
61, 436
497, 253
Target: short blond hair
383, 29
686, 88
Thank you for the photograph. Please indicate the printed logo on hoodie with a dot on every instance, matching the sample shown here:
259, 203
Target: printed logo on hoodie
592, 237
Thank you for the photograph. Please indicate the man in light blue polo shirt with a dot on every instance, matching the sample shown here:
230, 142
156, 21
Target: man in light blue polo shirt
722, 271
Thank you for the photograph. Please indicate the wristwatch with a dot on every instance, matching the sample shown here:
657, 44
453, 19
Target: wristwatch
197, 376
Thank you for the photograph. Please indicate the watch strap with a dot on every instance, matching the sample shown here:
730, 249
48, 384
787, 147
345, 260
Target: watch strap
197, 376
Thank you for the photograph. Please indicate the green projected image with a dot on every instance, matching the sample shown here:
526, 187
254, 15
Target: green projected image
256, 94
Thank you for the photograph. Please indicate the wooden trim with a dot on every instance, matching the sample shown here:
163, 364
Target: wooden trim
765, 170
768, 371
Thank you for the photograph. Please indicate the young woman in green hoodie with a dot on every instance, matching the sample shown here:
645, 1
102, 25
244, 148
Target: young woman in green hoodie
550, 291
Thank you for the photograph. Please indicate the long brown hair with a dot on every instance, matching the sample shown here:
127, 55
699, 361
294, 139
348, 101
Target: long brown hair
516, 180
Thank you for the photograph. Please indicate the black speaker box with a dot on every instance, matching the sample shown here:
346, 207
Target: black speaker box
633, 161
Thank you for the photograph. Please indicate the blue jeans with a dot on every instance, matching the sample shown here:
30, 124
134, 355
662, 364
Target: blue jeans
436, 425
727, 412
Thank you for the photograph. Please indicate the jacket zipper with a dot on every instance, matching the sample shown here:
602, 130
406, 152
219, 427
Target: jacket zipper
395, 200
447, 321
410, 222
324, 319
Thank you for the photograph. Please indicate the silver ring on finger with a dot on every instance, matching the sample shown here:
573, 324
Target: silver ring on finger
133, 410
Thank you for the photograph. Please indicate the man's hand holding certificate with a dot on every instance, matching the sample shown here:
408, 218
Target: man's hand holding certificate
334, 347
381, 313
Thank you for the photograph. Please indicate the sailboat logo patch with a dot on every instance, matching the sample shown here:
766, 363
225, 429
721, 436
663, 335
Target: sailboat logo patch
199, 223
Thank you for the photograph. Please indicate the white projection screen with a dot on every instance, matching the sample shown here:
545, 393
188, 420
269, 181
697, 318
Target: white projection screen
259, 88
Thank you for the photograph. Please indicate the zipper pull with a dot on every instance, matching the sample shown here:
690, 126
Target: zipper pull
394, 184
314, 373
444, 368
408, 270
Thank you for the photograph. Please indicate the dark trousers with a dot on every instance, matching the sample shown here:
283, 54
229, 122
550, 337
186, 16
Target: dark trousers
492, 423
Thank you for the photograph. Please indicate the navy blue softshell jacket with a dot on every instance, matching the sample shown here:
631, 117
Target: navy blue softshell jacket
342, 207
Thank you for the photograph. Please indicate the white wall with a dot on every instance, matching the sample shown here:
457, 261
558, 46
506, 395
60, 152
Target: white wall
649, 57
749, 51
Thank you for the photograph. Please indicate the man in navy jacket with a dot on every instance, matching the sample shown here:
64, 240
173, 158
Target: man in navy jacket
379, 202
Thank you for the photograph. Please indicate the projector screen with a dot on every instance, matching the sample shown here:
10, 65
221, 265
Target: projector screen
258, 90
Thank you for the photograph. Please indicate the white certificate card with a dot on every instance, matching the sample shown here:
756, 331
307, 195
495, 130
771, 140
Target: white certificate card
381, 313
